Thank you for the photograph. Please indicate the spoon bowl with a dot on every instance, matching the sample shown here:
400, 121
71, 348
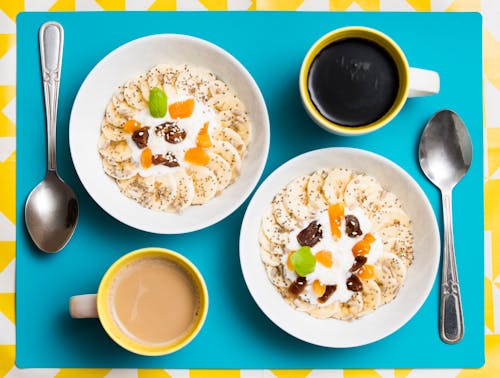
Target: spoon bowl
445, 155
51, 213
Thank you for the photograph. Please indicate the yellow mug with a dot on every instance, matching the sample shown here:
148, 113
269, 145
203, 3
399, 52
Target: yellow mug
413, 82
130, 299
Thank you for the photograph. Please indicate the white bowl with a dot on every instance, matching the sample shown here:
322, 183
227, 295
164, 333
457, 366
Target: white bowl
127, 62
386, 319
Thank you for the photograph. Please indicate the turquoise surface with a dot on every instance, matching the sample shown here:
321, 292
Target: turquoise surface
236, 333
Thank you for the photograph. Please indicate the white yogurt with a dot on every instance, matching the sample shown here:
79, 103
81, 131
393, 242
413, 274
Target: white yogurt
157, 143
342, 256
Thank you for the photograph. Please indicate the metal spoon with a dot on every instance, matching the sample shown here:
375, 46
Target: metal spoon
445, 155
51, 210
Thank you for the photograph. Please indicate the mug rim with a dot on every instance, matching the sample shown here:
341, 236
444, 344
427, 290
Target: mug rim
359, 32
117, 334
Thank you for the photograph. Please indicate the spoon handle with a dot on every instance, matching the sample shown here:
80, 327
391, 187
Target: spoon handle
451, 322
51, 40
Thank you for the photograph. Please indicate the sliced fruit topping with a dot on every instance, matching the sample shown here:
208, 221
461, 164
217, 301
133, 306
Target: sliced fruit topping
131, 126
141, 136
174, 134
310, 235
324, 257
335, 214
197, 155
169, 160
318, 288
181, 109
289, 264
203, 139
366, 272
303, 261
157, 102
352, 227
146, 158
297, 286
359, 261
354, 283
363, 246
329, 290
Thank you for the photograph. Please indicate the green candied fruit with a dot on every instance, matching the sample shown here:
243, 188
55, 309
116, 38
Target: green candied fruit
303, 261
157, 102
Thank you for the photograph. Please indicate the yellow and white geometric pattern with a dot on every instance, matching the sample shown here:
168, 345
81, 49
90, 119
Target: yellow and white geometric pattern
490, 10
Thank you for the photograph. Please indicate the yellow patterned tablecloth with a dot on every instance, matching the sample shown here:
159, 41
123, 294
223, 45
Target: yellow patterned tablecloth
490, 10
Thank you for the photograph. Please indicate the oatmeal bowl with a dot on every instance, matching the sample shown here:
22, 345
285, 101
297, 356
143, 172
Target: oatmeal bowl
339, 247
169, 133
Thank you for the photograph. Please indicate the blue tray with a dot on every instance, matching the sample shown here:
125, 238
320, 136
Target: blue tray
236, 333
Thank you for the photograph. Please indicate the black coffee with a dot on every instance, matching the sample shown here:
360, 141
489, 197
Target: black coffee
353, 82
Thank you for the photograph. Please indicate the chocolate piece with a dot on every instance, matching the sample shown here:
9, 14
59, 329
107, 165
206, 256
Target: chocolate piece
329, 290
310, 235
354, 283
352, 228
169, 160
297, 286
141, 136
359, 261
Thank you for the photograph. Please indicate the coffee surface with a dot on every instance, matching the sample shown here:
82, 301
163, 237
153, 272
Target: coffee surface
353, 82
154, 301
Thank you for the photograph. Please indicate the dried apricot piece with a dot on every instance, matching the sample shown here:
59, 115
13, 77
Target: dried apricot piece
366, 272
181, 109
335, 214
361, 248
197, 155
318, 288
131, 125
146, 158
324, 257
289, 261
203, 139
369, 238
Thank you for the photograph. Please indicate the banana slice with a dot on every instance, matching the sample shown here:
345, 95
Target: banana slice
398, 239
281, 214
154, 78
295, 198
218, 87
226, 101
372, 296
121, 106
129, 188
120, 170
395, 265
113, 133
142, 83
264, 242
170, 75
275, 275
221, 169
352, 308
244, 131
166, 187
133, 95
315, 196
335, 184
185, 191
390, 217
363, 191
102, 141
113, 117
205, 184
116, 151
229, 135
269, 258
229, 154
331, 310
385, 276
272, 230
